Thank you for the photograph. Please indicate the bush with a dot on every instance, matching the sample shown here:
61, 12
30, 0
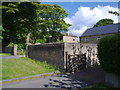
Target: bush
20, 53
10, 44
109, 53
41, 40
58, 40
19, 46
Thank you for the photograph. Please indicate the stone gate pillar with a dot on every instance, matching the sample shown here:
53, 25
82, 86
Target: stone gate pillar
15, 49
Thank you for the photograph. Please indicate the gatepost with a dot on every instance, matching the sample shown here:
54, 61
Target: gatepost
15, 50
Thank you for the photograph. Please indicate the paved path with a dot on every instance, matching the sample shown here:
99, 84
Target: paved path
92, 75
55, 81
9, 57
81, 79
77, 80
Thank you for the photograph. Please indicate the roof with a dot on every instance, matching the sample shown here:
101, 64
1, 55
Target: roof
107, 29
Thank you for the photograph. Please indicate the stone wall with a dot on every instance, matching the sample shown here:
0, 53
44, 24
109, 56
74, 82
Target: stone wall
52, 53
8, 50
91, 53
12, 50
92, 39
70, 49
55, 53
82, 48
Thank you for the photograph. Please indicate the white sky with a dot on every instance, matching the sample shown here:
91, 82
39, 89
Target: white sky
86, 17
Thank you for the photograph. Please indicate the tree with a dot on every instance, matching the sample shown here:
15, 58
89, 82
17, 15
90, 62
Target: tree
8, 20
103, 22
114, 13
52, 19
19, 20
24, 21
1, 30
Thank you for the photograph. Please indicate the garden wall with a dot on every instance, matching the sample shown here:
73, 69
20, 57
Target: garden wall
12, 50
82, 48
9, 49
55, 53
52, 53
91, 53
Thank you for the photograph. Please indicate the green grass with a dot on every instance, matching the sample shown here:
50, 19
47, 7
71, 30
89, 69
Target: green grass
20, 53
15, 68
5, 54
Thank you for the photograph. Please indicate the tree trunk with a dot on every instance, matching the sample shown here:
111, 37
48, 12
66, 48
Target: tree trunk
27, 42
28, 38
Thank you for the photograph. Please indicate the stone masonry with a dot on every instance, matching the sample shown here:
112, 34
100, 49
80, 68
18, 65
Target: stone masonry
55, 53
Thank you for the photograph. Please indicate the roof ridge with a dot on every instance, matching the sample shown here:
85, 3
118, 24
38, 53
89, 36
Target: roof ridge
98, 30
104, 25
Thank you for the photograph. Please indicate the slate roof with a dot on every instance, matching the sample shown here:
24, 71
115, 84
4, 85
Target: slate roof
107, 29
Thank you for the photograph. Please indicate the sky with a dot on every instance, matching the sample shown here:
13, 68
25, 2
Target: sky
83, 15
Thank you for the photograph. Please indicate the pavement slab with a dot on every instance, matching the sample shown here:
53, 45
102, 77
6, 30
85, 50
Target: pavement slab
54, 81
9, 57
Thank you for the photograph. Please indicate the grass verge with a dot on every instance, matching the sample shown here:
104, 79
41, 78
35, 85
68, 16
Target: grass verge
5, 54
15, 68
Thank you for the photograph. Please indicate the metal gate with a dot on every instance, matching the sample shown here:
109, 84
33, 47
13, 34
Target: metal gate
75, 63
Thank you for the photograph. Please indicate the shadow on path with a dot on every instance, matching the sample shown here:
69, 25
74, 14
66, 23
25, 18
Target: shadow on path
65, 81
80, 79
76, 80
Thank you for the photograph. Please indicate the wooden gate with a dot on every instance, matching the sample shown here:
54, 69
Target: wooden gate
75, 63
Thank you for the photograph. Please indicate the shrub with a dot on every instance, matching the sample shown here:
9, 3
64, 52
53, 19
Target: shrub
109, 53
41, 40
20, 53
21, 46
10, 44
58, 40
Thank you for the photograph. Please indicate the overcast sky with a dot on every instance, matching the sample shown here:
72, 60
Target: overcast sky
83, 15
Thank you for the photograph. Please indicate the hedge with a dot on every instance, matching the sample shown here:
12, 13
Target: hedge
109, 53
19, 46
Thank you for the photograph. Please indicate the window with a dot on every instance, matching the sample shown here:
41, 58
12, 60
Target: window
86, 39
73, 39
98, 38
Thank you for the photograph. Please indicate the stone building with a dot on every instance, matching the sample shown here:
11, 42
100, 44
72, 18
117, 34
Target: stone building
93, 35
70, 39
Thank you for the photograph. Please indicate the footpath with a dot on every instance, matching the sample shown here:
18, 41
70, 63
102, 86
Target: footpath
84, 78
9, 57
